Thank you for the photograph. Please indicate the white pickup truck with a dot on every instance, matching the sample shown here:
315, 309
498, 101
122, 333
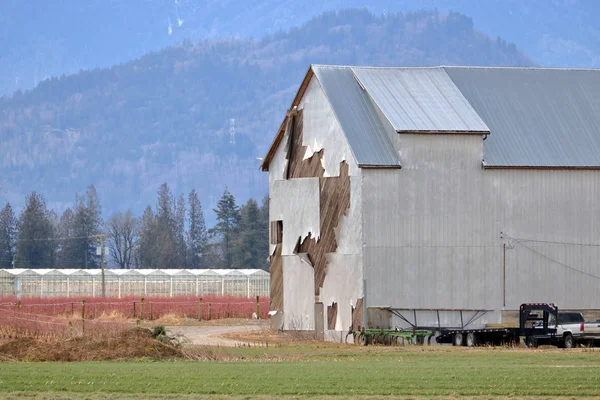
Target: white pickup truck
572, 330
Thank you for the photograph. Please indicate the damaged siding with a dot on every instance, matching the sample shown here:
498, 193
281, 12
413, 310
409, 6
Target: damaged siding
313, 178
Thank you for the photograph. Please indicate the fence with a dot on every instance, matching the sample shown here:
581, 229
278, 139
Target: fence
64, 317
141, 282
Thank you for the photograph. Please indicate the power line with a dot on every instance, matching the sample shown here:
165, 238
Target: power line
551, 242
61, 238
517, 241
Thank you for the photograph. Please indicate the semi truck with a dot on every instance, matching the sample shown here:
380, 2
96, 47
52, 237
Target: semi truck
539, 323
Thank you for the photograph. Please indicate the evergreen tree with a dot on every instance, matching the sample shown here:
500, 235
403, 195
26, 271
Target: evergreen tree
79, 246
165, 229
228, 218
197, 234
8, 231
248, 248
64, 232
180, 211
147, 249
35, 245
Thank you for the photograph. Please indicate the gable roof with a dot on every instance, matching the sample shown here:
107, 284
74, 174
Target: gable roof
536, 117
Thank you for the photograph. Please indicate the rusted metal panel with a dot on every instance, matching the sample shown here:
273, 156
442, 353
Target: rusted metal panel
276, 270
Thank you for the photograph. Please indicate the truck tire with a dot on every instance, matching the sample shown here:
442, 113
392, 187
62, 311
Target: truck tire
531, 342
458, 339
569, 342
471, 339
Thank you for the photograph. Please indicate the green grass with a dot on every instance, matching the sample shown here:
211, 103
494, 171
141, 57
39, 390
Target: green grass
315, 371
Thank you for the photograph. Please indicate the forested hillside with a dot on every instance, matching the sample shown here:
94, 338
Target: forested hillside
201, 114
41, 39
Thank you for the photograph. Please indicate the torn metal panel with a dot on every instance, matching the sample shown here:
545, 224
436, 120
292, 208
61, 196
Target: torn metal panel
298, 292
343, 285
349, 231
322, 131
296, 203
334, 201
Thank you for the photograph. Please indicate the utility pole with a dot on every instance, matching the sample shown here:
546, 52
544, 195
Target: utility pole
102, 264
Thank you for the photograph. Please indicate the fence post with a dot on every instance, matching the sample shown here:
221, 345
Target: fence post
19, 305
134, 309
200, 310
142, 309
257, 307
209, 310
70, 328
72, 309
151, 315
82, 317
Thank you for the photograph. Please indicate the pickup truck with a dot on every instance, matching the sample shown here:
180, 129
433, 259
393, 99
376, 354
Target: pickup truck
572, 330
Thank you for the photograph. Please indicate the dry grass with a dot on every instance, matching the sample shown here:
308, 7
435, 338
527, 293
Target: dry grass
132, 344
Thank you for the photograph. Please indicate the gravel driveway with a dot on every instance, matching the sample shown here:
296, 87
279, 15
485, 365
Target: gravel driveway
212, 335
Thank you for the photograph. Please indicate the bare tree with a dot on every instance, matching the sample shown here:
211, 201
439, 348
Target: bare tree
121, 231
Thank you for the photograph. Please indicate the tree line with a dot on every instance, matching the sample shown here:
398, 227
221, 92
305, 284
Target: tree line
173, 234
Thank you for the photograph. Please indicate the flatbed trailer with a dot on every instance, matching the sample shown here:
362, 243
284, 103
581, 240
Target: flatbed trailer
534, 326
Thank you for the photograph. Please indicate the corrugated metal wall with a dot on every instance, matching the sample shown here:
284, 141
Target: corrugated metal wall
433, 231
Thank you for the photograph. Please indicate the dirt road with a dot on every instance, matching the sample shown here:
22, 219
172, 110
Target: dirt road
212, 335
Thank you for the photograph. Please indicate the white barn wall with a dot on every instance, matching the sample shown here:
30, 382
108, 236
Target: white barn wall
432, 231
549, 206
426, 237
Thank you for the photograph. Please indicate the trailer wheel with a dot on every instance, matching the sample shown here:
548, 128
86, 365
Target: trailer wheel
458, 339
531, 342
363, 340
569, 342
471, 339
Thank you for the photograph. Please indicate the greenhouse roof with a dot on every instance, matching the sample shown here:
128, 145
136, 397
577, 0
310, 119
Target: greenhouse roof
119, 272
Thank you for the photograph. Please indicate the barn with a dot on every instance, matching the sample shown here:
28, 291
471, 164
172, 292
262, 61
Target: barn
434, 197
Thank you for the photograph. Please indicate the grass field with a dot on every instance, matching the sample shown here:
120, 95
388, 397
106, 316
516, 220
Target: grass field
317, 371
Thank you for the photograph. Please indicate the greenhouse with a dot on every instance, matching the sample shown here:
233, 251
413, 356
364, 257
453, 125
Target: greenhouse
138, 282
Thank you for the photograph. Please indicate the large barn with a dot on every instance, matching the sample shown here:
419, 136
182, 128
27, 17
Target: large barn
434, 197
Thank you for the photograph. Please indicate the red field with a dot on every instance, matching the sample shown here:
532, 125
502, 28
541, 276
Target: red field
101, 316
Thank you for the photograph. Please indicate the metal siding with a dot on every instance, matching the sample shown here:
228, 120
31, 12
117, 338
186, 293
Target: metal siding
537, 117
432, 231
558, 207
420, 100
355, 112
429, 236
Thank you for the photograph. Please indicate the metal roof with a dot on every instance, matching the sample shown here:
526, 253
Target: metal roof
357, 116
538, 117
420, 100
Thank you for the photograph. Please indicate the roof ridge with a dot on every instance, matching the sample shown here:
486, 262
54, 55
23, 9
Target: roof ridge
402, 67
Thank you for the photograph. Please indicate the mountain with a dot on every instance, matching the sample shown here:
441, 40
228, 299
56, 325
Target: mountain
40, 39
201, 114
